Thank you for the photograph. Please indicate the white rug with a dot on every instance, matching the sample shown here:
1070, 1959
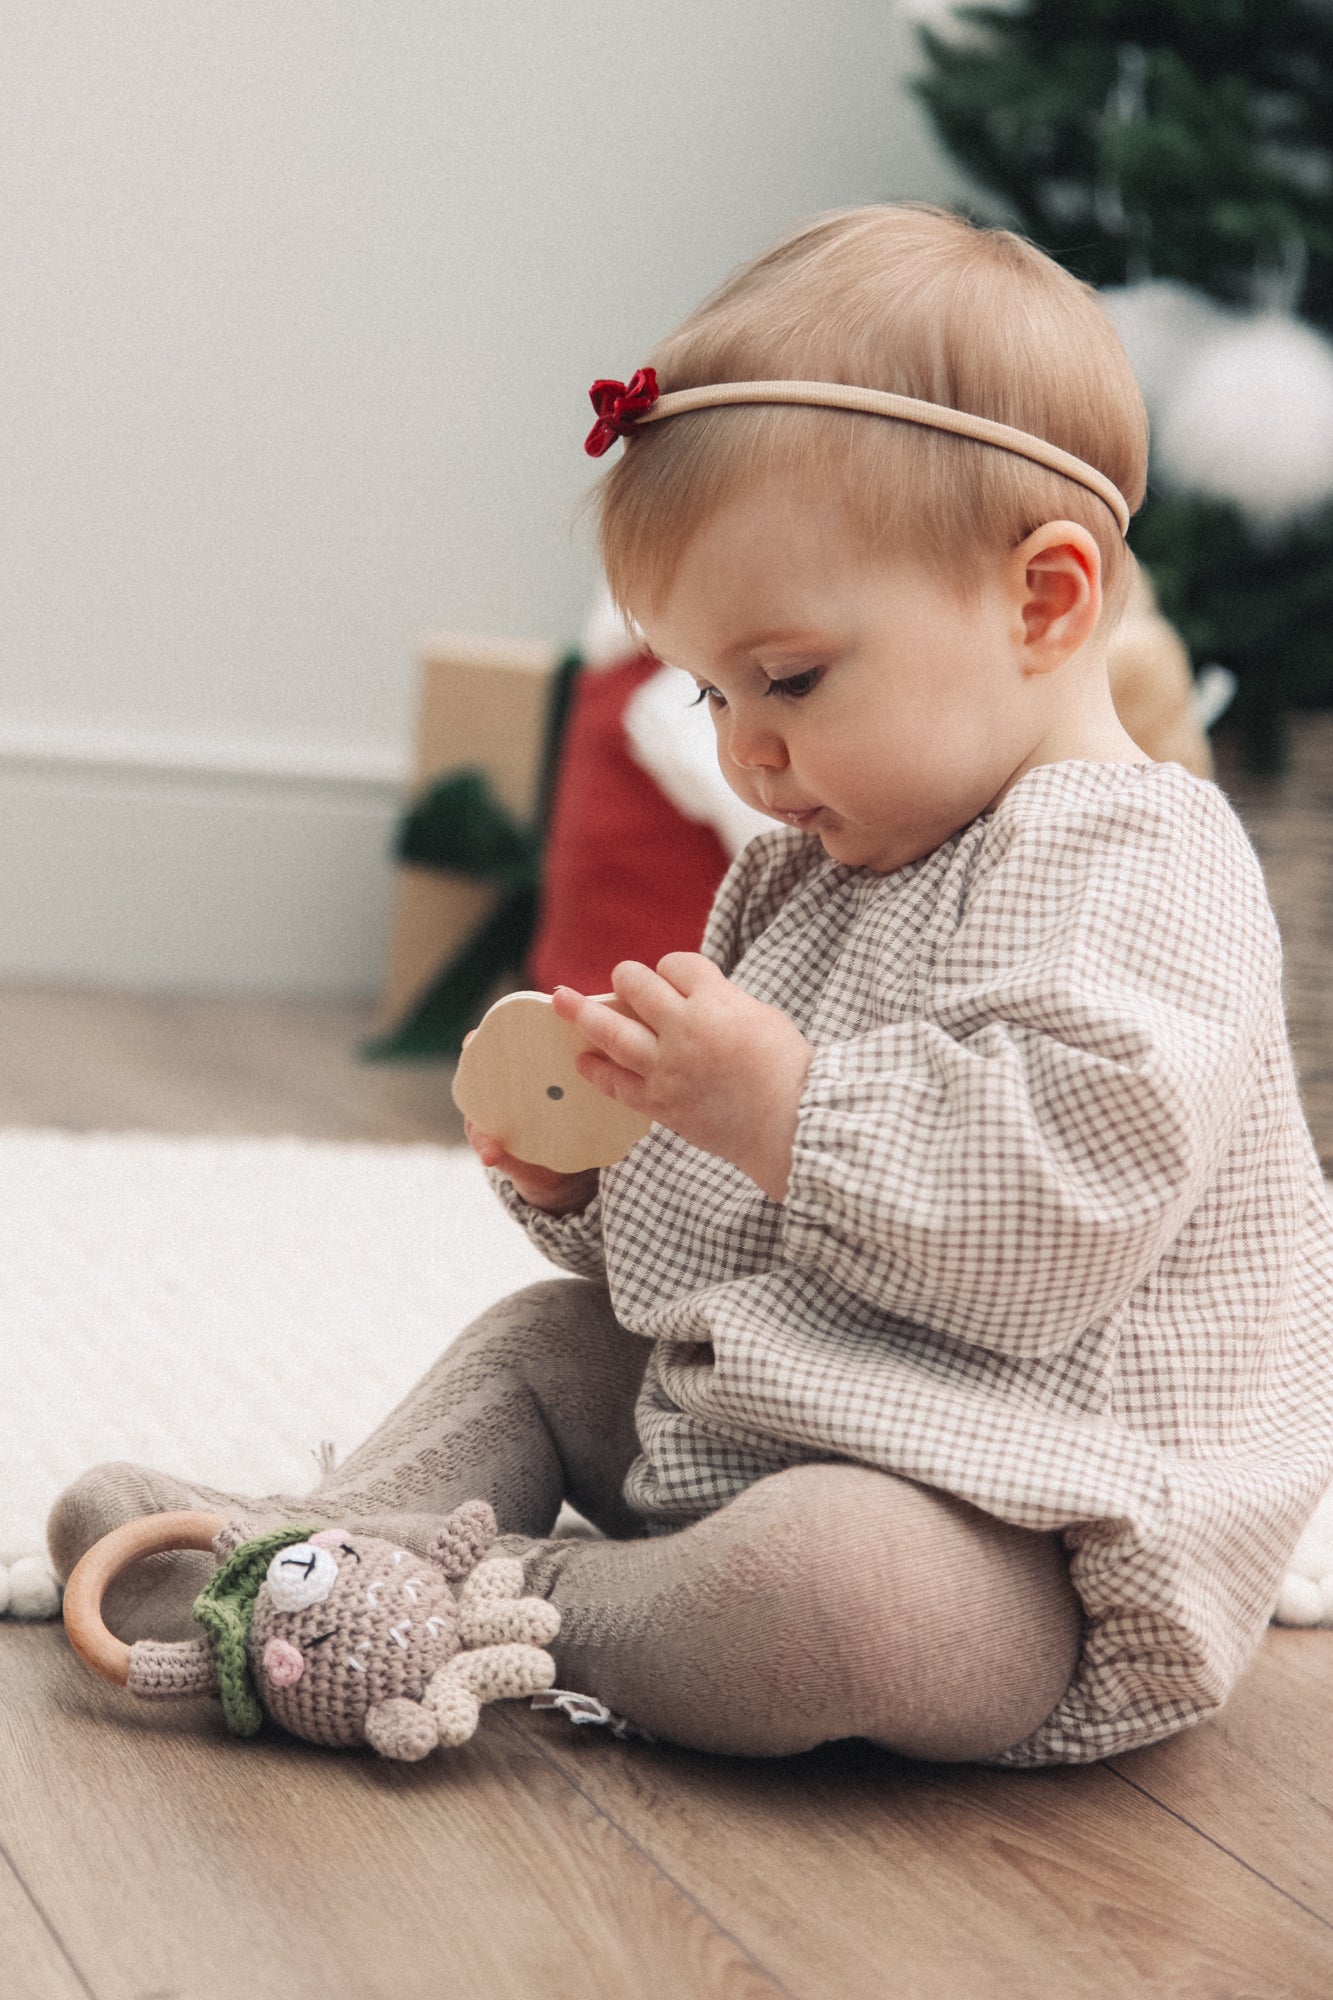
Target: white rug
222, 1307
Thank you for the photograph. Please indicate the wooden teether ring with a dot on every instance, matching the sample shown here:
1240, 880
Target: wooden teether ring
95, 1645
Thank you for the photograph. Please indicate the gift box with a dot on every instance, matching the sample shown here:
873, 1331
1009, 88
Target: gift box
484, 706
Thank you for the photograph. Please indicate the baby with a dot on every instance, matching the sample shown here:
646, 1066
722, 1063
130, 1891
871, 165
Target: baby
951, 1364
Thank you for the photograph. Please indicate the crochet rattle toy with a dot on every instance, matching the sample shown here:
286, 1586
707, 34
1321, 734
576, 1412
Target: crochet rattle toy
342, 1638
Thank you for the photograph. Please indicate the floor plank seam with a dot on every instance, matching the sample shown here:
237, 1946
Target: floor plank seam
45, 1922
1221, 1847
645, 1854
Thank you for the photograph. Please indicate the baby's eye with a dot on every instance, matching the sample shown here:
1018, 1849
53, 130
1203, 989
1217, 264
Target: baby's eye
704, 694
795, 685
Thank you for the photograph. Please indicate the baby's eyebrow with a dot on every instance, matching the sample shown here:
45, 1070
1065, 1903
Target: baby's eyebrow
785, 636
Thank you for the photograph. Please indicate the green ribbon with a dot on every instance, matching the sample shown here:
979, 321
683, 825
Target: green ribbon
458, 824
225, 1607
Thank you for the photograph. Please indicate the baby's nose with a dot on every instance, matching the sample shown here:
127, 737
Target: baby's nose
756, 746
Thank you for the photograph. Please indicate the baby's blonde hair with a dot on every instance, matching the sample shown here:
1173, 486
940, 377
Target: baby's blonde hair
917, 301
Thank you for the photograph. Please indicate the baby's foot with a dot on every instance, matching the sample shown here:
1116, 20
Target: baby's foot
542, 1557
152, 1598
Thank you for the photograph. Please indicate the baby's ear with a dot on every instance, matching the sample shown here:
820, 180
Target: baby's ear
464, 1539
227, 1540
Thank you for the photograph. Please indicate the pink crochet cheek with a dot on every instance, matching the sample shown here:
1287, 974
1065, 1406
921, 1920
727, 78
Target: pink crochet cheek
329, 1538
282, 1663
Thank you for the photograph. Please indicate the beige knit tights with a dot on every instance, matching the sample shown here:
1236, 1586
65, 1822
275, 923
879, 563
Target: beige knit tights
825, 1601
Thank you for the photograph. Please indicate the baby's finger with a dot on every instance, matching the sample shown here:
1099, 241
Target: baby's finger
687, 971
488, 1149
651, 998
624, 1085
546, 1179
627, 1042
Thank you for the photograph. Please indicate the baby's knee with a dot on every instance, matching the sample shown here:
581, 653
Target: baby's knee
553, 1316
943, 1632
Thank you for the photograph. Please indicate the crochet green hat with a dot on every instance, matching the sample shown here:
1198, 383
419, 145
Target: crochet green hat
225, 1607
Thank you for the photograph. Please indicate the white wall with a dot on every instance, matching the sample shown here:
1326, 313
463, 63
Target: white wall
299, 308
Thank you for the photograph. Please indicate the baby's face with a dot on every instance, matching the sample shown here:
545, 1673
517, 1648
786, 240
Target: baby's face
857, 698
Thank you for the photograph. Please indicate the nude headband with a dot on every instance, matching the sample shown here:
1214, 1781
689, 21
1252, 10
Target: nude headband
623, 407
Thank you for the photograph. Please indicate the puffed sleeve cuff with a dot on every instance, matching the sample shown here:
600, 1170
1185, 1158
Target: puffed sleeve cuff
574, 1242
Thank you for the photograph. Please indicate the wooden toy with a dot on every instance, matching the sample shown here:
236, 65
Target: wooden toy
340, 1637
516, 1080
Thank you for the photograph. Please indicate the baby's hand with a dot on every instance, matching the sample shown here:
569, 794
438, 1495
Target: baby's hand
540, 1187
724, 1070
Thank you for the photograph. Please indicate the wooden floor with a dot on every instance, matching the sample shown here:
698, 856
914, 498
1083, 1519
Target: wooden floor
146, 1856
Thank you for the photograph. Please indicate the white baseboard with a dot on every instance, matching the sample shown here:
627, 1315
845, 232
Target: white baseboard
161, 863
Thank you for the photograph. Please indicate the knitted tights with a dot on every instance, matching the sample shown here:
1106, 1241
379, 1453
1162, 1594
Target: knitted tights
827, 1600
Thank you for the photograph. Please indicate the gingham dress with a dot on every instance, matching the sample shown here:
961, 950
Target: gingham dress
1056, 1237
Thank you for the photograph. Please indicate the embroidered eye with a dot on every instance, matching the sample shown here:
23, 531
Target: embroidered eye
301, 1575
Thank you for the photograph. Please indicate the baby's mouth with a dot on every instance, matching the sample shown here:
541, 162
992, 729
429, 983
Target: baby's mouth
803, 817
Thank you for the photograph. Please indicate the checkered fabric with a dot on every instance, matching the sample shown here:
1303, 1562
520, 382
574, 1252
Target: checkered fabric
1056, 1238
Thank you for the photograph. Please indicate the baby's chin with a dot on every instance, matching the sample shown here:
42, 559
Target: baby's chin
855, 846
881, 853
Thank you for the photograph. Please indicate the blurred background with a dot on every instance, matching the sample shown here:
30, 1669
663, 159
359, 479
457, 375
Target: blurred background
301, 306
300, 309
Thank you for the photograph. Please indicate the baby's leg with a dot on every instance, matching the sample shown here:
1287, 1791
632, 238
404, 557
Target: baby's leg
825, 1601
532, 1404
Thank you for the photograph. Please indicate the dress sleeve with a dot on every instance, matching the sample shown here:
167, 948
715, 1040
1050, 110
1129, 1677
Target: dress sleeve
1008, 1167
574, 1242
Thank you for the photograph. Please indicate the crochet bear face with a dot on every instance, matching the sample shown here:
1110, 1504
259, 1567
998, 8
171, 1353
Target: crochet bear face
342, 1623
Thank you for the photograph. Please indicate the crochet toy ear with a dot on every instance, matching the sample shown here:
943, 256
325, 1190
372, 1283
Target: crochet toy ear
464, 1538
227, 1540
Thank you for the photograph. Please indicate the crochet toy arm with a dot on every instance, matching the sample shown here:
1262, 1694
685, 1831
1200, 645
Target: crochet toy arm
505, 1635
490, 1609
161, 1669
492, 1673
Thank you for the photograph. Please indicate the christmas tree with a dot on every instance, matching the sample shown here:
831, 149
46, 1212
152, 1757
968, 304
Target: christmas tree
1178, 152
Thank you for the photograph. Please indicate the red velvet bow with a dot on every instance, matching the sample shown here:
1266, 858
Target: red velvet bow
617, 405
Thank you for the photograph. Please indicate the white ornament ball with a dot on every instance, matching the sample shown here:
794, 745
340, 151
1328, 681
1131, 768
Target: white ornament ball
607, 639
1300, 1601
1252, 421
940, 15
33, 1590
671, 736
1164, 327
